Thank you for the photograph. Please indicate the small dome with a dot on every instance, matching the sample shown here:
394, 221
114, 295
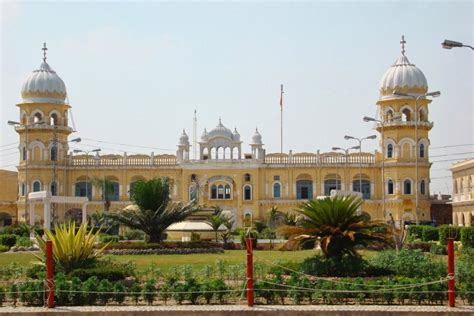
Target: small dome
220, 131
205, 136
44, 85
257, 138
184, 139
403, 76
236, 135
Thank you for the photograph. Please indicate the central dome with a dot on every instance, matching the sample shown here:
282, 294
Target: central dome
403, 76
44, 85
220, 131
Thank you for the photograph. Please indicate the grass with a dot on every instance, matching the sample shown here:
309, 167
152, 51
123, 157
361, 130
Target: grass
167, 262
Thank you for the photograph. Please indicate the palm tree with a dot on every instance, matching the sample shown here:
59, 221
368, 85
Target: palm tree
337, 225
216, 220
154, 211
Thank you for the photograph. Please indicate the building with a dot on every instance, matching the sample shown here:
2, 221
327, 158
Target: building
8, 197
245, 182
463, 192
441, 209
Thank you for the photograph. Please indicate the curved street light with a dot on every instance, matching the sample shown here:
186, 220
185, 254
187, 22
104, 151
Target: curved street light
346, 153
448, 44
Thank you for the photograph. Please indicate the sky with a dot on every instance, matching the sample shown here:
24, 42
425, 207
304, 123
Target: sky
136, 71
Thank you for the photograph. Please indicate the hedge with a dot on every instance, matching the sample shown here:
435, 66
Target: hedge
109, 238
467, 237
8, 240
109, 273
445, 230
163, 245
429, 233
415, 232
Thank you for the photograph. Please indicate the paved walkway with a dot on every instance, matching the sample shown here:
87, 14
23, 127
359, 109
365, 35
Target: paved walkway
233, 310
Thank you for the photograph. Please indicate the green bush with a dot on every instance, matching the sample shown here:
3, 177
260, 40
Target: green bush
23, 242
429, 233
446, 231
4, 248
149, 292
61, 289
437, 249
346, 266
111, 273
31, 293
467, 237
109, 238
105, 290
76, 296
90, 289
134, 234
119, 293
2, 296
8, 240
415, 232
253, 235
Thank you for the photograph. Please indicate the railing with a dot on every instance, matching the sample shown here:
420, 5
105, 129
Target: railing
118, 160
320, 159
406, 123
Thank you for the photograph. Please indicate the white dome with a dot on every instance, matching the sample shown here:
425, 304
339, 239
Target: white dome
236, 135
404, 76
44, 85
220, 131
184, 139
257, 138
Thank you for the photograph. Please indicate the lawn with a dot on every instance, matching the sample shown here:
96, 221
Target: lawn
167, 262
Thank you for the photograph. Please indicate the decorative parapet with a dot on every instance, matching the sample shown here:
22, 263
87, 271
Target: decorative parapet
331, 158
122, 160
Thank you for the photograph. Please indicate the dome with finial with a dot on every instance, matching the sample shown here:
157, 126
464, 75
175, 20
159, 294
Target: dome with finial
44, 85
184, 139
220, 131
205, 135
236, 135
257, 138
403, 76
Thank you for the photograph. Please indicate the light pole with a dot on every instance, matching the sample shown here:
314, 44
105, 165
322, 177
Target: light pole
346, 153
448, 44
382, 125
26, 156
433, 94
360, 140
87, 165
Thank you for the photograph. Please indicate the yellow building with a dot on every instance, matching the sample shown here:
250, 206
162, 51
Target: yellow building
225, 174
463, 192
8, 197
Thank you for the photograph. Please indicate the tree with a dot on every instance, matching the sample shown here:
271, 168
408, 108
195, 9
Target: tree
154, 211
106, 187
216, 220
335, 222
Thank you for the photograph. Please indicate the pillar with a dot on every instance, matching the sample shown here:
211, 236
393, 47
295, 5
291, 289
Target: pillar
84, 213
47, 214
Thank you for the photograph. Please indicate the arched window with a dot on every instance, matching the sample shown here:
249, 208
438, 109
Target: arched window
247, 193
54, 188
54, 153
53, 119
422, 150
247, 177
114, 193
214, 192
220, 192
205, 154
389, 116
227, 192
37, 117
389, 151
36, 186
406, 115
423, 187
83, 188
356, 184
23, 153
304, 189
332, 182
276, 190
390, 188
407, 186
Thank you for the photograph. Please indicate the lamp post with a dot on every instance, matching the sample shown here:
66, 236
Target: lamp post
433, 94
87, 165
360, 140
448, 44
26, 126
382, 125
346, 153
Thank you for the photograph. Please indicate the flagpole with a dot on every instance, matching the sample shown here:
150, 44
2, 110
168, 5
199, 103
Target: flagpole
281, 120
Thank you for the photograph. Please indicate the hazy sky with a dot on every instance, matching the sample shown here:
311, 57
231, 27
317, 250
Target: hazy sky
135, 72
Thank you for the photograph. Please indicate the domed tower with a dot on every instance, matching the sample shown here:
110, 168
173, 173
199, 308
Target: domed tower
43, 130
183, 147
258, 152
404, 124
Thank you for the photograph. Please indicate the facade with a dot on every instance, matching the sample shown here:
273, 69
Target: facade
463, 192
245, 181
8, 197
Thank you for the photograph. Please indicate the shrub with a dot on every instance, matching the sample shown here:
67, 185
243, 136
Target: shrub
4, 248
109, 238
193, 288
467, 237
437, 249
111, 273
61, 289
134, 234
76, 296
23, 242
90, 289
8, 240
105, 290
429, 233
253, 235
334, 267
415, 232
446, 231
31, 293
423, 246
136, 290
149, 292
119, 293
13, 293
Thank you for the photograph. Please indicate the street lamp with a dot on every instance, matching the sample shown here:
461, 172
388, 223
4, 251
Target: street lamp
382, 125
448, 44
360, 140
417, 97
76, 151
26, 126
346, 153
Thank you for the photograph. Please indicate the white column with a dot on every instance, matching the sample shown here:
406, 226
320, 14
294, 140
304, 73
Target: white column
47, 214
84, 213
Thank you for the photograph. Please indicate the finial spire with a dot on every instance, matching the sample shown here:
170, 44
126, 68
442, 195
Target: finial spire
403, 42
44, 49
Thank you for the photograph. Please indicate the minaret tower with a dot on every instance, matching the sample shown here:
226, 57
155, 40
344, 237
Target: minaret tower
43, 132
403, 108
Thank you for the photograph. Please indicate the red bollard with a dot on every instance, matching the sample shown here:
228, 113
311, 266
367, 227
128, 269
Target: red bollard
248, 243
50, 273
451, 286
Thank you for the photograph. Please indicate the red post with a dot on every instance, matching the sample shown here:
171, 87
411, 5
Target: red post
50, 273
248, 243
451, 287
